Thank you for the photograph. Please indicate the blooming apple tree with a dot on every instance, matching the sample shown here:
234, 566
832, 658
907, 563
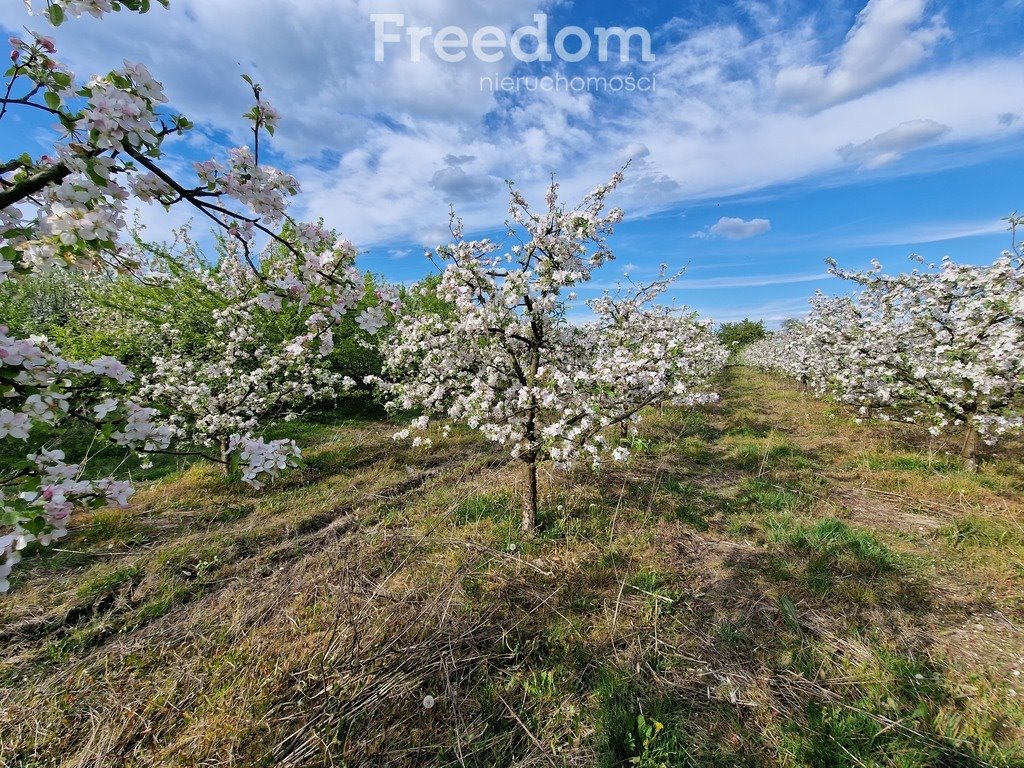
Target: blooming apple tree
221, 377
784, 352
41, 390
947, 347
819, 351
647, 353
938, 345
67, 208
505, 360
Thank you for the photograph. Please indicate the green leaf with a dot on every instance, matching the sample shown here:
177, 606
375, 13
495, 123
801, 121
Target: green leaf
52, 100
92, 174
34, 526
56, 14
789, 612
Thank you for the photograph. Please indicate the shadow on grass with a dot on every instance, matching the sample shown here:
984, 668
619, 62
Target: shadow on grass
648, 645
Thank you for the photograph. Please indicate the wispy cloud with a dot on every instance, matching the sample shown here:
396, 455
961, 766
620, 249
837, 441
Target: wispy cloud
773, 313
751, 281
932, 233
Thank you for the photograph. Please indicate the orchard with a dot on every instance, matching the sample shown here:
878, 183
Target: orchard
272, 497
939, 346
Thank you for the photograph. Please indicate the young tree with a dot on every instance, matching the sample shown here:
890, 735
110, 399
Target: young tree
66, 208
938, 346
944, 348
784, 352
223, 364
508, 362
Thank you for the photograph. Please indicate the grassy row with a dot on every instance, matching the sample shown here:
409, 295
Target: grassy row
765, 583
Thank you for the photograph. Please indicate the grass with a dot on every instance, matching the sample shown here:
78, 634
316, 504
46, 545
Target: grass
833, 541
765, 583
830, 559
499, 506
912, 462
107, 581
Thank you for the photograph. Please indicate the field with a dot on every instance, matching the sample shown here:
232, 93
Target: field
766, 582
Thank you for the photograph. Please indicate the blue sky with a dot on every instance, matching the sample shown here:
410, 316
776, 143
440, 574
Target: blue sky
778, 133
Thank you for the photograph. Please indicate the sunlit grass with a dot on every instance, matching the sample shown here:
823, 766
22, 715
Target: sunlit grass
741, 592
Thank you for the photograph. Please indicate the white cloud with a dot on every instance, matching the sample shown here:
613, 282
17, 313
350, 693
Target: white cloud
889, 38
635, 152
891, 145
315, 59
732, 228
381, 149
457, 184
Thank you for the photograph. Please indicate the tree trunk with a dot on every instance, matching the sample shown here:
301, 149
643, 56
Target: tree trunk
530, 496
970, 449
225, 458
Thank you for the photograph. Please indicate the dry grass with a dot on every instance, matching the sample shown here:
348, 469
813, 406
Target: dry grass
772, 582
